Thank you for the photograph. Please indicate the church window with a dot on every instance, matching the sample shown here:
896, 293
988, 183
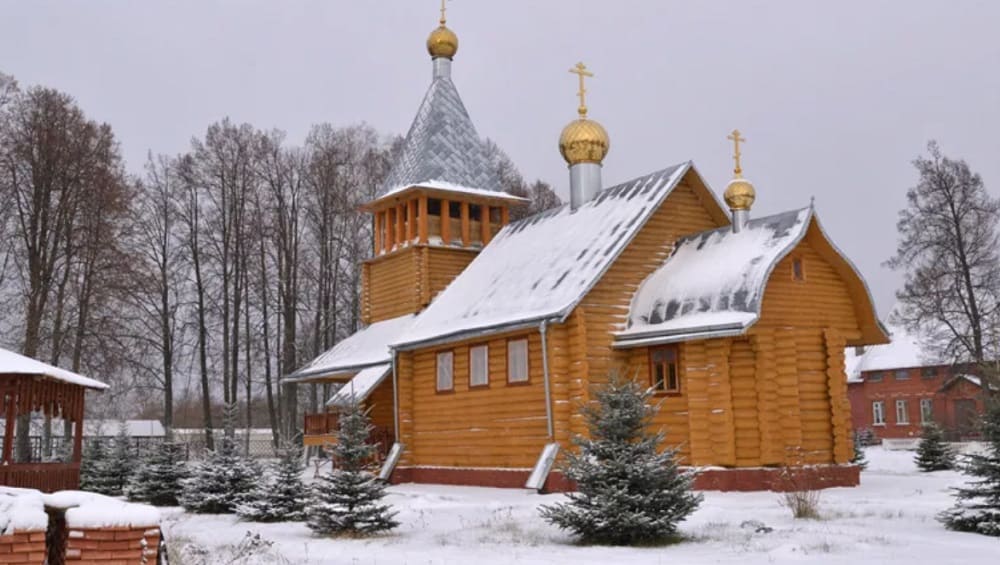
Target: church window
445, 371
475, 212
433, 207
878, 413
479, 366
663, 370
798, 269
517, 361
902, 412
454, 209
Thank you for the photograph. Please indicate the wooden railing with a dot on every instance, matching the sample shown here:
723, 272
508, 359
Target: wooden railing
46, 477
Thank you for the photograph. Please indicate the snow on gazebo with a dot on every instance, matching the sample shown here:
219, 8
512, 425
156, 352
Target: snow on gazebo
28, 386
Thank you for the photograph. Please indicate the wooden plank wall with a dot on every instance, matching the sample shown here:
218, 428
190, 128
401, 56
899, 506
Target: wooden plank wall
441, 266
746, 416
392, 283
380, 404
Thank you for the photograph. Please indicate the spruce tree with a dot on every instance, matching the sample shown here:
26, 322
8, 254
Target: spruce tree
120, 463
933, 454
628, 491
223, 479
157, 481
92, 460
859, 458
282, 496
348, 499
977, 505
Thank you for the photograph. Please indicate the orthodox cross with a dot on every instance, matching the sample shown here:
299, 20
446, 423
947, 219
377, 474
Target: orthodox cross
581, 70
443, 8
736, 139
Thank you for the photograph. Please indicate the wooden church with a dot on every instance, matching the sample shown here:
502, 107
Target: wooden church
484, 336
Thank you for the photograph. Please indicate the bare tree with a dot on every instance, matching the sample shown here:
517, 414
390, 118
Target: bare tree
948, 251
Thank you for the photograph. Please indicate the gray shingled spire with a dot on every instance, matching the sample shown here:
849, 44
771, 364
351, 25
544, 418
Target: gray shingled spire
442, 145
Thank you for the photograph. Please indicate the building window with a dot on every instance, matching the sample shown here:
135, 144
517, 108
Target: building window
875, 377
454, 209
878, 413
479, 366
902, 374
928, 372
902, 413
517, 361
798, 270
926, 410
475, 212
445, 371
664, 375
433, 207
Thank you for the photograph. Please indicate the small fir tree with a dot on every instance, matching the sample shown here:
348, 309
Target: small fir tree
628, 492
92, 460
157, 481
282, 497
977, 505
859, 458
223, 479
348, 499
120, 463
933, 454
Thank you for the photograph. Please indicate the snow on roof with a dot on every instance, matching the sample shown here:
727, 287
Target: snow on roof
714, 281
540, 267
364, 348
451, 187
971, 378
902, 352
442, 146
17, 364
360, 386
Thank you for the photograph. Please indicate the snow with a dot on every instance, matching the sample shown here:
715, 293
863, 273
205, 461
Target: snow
365, 348
16, 364
24, 509
890, 518
361, 386
714, 279
434, 184
539, 268
903, 352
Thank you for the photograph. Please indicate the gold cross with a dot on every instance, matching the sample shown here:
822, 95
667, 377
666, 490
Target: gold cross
581, 70
736, 139
443, 8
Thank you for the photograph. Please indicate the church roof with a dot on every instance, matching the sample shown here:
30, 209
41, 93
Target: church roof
539, 268
714, 280
365, 348
442, 148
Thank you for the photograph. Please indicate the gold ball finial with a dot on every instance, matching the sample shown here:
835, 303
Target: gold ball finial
442, 42
740, 193
583, 140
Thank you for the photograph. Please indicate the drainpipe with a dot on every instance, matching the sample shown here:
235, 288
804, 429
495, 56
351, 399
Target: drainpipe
395, 396
545, 372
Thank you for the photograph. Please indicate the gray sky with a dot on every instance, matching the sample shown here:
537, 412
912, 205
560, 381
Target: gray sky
835, 98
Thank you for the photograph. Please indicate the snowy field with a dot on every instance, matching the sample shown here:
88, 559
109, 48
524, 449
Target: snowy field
888, 519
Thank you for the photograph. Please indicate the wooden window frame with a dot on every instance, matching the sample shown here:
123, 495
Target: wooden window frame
652, 371
527, 361
879, 412
799, 276
904, 403
437, 364
486, 346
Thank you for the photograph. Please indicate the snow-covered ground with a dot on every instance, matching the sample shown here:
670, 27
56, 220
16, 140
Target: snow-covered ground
888, 519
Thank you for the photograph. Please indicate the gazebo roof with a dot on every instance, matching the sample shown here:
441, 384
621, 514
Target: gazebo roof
16, 364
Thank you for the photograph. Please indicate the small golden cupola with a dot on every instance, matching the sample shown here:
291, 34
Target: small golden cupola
584, 143
740, 193
442, 42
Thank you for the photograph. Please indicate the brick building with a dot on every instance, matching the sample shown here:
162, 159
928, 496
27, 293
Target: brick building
895, 388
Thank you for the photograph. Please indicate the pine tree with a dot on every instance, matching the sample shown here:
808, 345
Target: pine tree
933, 454
977, 505
348, 499
158, 478
859, 458
93, 458
628, 492
222, 480
282, 497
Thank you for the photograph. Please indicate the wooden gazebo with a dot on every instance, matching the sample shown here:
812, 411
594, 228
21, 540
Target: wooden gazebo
28, 386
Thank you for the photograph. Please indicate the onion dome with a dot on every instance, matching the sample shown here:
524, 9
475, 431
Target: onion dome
442, 42
740, 192
583, 140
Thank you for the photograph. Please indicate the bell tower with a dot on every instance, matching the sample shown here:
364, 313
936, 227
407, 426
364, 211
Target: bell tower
441, 203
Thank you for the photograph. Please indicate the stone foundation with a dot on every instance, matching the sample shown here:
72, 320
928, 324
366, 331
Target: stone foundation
23, 548
749, 479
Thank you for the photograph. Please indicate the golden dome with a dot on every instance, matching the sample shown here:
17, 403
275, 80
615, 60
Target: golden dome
740, 194
584, 141
442, 42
